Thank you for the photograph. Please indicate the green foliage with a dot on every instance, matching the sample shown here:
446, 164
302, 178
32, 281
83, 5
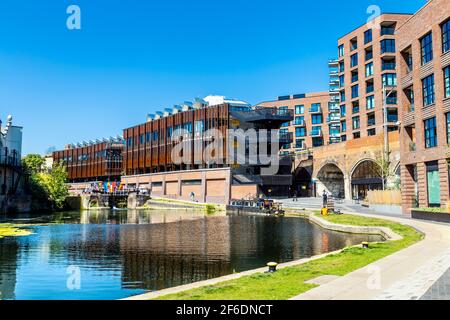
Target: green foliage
48, 189
33, 163
290, 281
10, 230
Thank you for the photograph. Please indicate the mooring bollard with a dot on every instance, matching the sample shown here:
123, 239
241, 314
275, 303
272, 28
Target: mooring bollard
272, 267
365, 245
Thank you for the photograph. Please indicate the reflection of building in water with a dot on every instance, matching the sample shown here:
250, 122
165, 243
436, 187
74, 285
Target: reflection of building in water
170, 254
8, 258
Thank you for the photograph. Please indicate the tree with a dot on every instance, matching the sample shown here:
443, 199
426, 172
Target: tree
55, 185
384, 169
33, 163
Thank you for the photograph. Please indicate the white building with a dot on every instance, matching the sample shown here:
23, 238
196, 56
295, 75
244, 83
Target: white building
10, 157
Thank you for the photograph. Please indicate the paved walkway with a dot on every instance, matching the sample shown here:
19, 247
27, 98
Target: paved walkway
405, 275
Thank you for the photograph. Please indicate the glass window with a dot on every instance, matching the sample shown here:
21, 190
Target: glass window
369, 53
371, 132
427, 48
447, 116
356, 135
300, 109
299, 143
316, 119
369, 69
388, 46
370, 102
355, 123
341, 81
341, 50
341, 66
344, 138
300, 131
369, 87
355, 107
430, 133
428, 90
446, 36
389, 79
343, 96
368, 36
317, 142
342, 109
299, 120
447, 82
343, 126
354, 60
355, 91
199, 126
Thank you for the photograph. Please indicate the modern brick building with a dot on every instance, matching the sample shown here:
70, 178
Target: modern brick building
100, 160
424, 80
149, 158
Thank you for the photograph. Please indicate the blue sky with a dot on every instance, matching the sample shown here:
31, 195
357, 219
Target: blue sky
133, 57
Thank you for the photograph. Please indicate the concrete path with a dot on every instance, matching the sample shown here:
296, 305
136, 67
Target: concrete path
345, 206
405, 275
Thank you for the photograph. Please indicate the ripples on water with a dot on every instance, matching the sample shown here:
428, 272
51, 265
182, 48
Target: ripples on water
131, 252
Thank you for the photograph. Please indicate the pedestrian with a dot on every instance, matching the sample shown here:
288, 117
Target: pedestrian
325, 199
192, 196
295, 196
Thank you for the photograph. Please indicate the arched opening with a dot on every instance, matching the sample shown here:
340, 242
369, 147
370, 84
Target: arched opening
365, 177
302, 182
331, 179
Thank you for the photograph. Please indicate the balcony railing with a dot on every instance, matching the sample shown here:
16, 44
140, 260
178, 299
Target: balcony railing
388, 66
392, 118
315, 109
315, 133
334, 119
391, 100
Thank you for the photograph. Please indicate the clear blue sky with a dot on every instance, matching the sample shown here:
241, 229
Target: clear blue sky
133, 57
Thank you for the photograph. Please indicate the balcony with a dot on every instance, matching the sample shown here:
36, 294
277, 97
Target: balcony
333, 63
285, 137
388, 66
391, 100
334, 119
261, 114
392, 118
301, 123
316, 133
315, 109
387, 31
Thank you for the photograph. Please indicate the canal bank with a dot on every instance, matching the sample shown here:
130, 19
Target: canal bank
295, 277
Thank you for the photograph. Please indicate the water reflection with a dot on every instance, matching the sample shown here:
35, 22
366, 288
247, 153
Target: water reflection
129, 252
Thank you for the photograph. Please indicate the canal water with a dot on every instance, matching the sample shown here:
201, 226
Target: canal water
113, 255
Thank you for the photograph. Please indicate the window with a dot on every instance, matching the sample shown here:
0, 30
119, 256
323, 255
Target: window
142, 139
355, 91
354, 76
299, 120
387, 30
447, 82
343, 126
155, 136
370, 102
430, 133
371, 132
300, 109
354, 60
368, 36
369, 86
369, 69
299, 143
356, 135
341, 50
447, 116
388, 46
355, 123
355, 107
353, 44
316, 119
446, 36
389, 79
341, 81
343, 96
300, 131
341, 66
199, 126
130, 142
342, 109
369, 53
344, 138
428, 90
426, 44
371, 119
317, 142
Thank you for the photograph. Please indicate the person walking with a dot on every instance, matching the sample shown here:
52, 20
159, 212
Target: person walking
324, 199
294, 196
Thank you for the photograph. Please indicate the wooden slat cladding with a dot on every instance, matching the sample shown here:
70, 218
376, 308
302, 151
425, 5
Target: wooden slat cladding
92, 162
150, 145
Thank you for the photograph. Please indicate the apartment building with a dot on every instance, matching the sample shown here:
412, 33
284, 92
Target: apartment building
367, 78
310, 127
424, 74
10, 158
